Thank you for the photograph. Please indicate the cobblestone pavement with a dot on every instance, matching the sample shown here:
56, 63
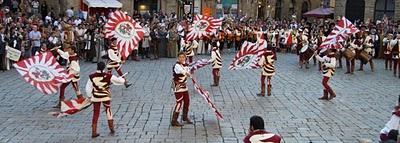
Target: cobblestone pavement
142, 112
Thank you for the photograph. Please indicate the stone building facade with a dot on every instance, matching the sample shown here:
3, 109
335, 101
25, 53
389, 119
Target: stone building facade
355, 9
369, 9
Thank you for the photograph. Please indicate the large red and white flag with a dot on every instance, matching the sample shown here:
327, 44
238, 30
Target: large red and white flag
206, 97
126, 30
198, 64
340, 33
70, 107
249, 55
202, 26
43, 72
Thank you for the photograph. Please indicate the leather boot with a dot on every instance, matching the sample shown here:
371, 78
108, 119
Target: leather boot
127, 84
174, 121
332, 94
185, 116
58, 106
94, 130
372, 66
269, 90
262, 90
111, 126
217, 80
361, 66
325, 97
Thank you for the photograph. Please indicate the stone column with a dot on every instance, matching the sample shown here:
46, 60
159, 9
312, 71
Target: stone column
369, 9
397, 10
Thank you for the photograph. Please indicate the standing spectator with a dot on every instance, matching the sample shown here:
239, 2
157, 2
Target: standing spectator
2, 48
154, 42
258, 134
172, 42
162, 48
80, 33
90, 43
15, 5
70, 12
24, 46
44, 10
97, 49
77, 21
35, 7
34, 37
48, 19
146, 42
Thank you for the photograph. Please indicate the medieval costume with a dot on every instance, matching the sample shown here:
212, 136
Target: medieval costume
268, 70
98, 88
180, 75
115, 60
189, 49
216, 62
388, 44
328, 70
368, 48
73, 68
396, 56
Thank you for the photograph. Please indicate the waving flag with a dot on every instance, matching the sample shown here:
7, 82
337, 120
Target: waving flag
43, 72
70, 107
206, 96
198, 64
340, 33
127, 32
248, 56
203, 25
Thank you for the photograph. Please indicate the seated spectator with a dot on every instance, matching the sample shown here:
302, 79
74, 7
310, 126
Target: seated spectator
258, 134
392, 124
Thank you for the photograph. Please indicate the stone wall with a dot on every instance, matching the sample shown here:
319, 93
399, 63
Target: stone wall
369, 9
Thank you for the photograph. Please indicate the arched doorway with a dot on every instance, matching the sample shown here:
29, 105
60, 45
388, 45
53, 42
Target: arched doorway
383, 7
355, 10
260, 10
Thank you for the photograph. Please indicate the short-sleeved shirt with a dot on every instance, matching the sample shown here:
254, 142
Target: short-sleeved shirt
35, 38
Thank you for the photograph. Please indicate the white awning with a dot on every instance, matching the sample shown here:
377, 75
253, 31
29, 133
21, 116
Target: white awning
103, 3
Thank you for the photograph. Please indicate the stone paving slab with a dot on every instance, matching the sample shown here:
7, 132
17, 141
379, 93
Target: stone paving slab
142, 112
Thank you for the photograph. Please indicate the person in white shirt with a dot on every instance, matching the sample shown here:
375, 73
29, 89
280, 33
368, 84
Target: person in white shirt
73, 68
115, 60
189, 49
180, 75
70, 12
216, 61
98, 90
35, 7
328, 70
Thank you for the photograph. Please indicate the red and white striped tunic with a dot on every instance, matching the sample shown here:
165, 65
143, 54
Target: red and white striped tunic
180, 77
216, 59
267, 63
262, 136
114, 58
